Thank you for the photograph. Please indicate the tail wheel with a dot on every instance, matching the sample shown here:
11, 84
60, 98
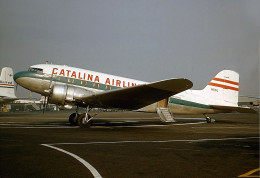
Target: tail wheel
208, 119
84, 121
73, 119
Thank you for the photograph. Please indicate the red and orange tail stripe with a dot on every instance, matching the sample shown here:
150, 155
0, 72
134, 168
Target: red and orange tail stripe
226, 81
225, 84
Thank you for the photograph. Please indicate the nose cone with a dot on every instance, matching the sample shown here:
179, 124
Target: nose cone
16, 76
19, 75
31, 81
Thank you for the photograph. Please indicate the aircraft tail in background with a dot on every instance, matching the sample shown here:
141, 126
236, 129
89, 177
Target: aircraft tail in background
7, 83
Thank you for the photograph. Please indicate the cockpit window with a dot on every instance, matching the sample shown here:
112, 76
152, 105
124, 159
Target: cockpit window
37, 70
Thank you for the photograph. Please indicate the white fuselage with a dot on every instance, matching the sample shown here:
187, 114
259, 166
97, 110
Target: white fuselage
187, 102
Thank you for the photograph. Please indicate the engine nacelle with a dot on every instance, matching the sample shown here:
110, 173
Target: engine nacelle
64, 94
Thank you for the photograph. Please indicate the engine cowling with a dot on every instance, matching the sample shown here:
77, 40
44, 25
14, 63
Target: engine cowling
64, 94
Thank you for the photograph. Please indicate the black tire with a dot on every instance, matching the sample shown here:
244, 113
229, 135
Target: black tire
73, 119
81, 121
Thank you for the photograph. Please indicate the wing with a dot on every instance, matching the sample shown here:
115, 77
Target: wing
232, 108
138, 96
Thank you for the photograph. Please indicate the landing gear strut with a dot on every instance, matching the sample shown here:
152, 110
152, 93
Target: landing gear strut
84, 120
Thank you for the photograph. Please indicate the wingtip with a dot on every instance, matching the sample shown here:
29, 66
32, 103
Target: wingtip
189, 83
175, 85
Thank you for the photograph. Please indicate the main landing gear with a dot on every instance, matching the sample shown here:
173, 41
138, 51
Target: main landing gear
82, 120
73, 119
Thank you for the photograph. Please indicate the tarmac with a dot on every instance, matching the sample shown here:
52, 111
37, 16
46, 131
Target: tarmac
128, 144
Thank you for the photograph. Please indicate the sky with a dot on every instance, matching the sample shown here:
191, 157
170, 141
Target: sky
148, 40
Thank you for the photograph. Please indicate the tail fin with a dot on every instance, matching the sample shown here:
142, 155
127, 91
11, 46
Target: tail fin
7, 82
223, 88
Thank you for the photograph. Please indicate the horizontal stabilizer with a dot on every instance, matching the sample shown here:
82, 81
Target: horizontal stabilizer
138, 96
233, 108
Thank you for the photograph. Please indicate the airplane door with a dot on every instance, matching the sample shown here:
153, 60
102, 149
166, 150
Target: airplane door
163, 103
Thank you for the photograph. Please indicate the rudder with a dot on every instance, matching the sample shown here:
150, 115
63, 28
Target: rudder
7, 82
223, 88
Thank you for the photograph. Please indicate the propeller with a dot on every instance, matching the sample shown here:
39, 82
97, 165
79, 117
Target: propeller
48, 91
44, 104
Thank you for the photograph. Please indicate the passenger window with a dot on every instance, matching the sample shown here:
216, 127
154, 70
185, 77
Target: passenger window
108, 87
71, 80
96, 85
83, 82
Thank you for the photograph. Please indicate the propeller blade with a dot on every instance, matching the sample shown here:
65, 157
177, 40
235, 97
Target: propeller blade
51, 81
46, 98
47, 102
44, 104
48, 91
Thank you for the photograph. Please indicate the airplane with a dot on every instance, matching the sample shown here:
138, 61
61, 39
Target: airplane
69, 86
7, 86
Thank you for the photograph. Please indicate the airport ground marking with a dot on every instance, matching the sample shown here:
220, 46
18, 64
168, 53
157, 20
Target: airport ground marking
27, 126
93, 171
223, 128
249, 174
157, 141
168, 125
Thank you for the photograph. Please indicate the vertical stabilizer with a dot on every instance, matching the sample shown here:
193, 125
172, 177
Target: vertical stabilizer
223, 89
7, 83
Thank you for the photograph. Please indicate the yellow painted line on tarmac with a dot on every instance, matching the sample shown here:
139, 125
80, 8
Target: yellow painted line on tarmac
249, 174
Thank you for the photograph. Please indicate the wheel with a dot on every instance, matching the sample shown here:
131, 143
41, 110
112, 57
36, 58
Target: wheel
84, 122
73, 119
208, 119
